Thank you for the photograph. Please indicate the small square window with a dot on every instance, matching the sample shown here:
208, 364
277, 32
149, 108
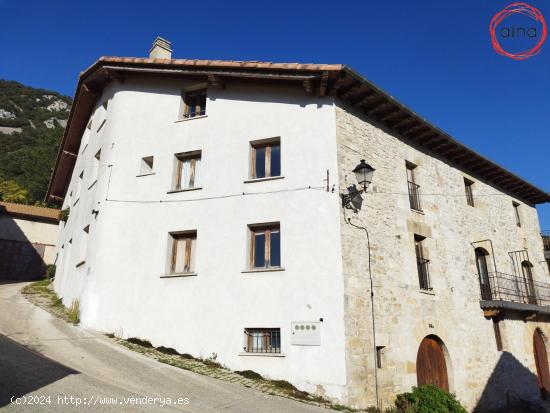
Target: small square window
265, 246
266, 159
194, 103
262, 340
146, 165
188, 171
183, 252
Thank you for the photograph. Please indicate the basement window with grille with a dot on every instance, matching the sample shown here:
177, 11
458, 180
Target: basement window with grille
262, 340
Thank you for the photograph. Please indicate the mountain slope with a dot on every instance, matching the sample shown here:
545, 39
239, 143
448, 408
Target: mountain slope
31, 126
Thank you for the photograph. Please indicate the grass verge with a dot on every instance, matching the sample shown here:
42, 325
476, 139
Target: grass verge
41, 293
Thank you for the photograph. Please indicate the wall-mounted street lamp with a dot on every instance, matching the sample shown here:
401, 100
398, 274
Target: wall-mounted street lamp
363, 173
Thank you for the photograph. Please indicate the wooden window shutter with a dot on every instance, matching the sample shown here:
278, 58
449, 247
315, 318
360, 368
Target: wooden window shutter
267, 255
187, 263
192, 173
174, 254
252, 248
267, 161
178, 173
253, 160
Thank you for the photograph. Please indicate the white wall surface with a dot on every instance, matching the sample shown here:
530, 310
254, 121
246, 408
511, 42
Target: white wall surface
119, 286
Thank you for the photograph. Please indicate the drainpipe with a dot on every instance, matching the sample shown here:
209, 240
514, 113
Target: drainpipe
372, 312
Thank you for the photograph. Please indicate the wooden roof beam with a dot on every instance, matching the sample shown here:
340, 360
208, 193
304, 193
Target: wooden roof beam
400, 122
308, 86
346, 91
323, 84
364, 99
377, 108
216, 81
390, 114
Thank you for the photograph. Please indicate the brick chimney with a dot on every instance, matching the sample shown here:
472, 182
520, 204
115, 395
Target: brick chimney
161, 49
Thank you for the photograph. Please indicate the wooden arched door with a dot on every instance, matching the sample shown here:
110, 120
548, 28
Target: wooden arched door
541, 361
430, 364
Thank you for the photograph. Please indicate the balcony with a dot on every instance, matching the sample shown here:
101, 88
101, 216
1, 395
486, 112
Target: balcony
501, 291
414, 196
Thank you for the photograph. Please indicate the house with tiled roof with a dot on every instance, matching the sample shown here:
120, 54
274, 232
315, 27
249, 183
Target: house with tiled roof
298, 221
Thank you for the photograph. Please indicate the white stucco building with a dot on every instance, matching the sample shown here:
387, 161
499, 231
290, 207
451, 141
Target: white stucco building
206, 215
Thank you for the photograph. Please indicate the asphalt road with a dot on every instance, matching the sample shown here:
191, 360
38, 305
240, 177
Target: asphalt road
47, 365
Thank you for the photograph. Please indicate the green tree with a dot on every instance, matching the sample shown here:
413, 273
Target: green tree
11, 191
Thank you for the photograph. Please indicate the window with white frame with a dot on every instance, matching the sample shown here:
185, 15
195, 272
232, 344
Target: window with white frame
187, 171
183, 246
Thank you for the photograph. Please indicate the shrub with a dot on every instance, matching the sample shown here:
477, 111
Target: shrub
250, 374
187, 356
50, 272
74, 312
64, 214
139, 342
428, 399
168, 350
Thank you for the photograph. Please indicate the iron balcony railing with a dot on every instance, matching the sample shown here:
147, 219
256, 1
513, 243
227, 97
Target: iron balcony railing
414, 196
423, 273
497, 286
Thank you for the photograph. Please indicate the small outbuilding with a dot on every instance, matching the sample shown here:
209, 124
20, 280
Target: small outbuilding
27, 240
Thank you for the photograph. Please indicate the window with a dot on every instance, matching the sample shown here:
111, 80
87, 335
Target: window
262, 340
422, 263
414, 188
266, 159
183, 252
194, 103
528, 288
146, 165
265, 246
498, 336
188, 166
379, 356
468, 185
483, 273
516, 212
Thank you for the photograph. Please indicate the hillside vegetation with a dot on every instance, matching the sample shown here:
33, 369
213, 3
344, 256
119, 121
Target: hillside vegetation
31, 126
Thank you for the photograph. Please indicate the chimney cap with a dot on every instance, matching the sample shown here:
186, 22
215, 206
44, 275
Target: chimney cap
161, 49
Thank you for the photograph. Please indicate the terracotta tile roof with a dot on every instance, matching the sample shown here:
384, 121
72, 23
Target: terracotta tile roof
30, 211
221, 64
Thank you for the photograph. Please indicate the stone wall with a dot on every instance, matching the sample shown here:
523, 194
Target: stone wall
404, 314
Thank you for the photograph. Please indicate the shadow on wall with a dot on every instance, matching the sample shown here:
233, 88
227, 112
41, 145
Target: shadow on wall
23, 371
19, 258
511, 388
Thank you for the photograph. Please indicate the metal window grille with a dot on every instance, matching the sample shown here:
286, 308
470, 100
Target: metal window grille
414, 196
263, 340
423, 273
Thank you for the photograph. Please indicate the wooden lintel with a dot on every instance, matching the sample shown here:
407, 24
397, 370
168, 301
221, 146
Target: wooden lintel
323, 84
491, 312
216, 81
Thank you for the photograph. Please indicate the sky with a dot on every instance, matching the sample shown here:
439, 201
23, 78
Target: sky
434, 56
